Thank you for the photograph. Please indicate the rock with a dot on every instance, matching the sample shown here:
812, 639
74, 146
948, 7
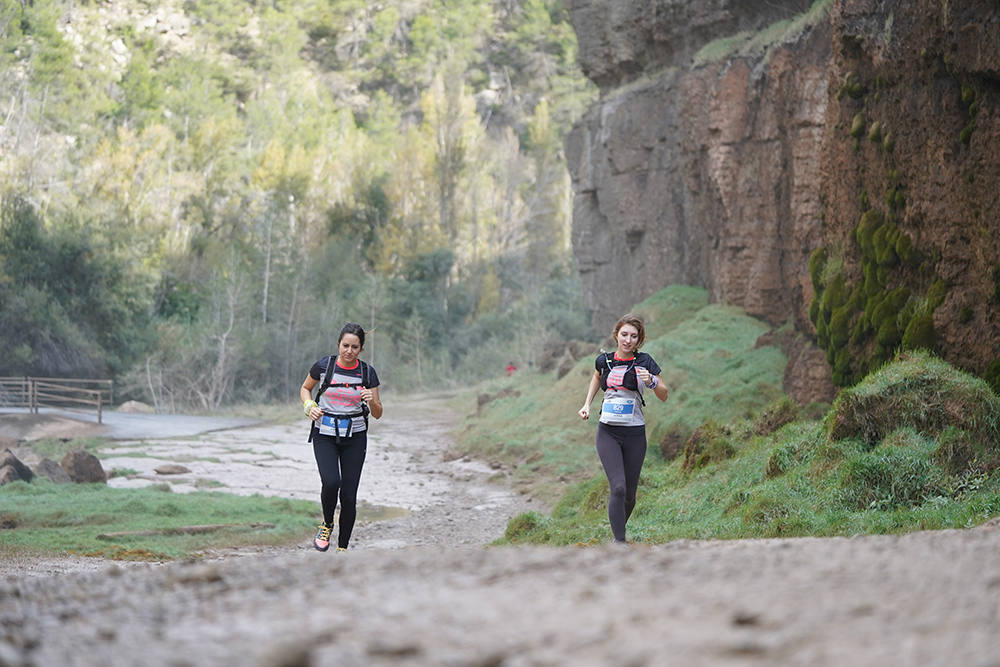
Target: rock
12, 470
727, 170
136, 407
171, 469
84, 467
52, 471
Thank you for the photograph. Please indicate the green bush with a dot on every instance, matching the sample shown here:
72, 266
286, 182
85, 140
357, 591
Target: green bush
776, 415
709, 443
526, 527
923, 392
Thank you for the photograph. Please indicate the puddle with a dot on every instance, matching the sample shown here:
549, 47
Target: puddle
368, 512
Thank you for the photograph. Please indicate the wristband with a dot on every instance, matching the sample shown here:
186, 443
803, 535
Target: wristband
652, 385
308, 405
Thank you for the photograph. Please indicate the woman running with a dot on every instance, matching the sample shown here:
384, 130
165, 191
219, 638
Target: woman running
621, 430
339, 434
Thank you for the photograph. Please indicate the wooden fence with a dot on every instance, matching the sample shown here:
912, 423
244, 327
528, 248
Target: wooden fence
62, 393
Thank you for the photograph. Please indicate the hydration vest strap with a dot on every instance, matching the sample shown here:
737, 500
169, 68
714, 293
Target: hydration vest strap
607, 359
326, 384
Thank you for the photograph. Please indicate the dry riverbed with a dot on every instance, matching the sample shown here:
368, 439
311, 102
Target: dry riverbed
419, 586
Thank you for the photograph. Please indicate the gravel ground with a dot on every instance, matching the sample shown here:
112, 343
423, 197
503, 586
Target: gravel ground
422, 589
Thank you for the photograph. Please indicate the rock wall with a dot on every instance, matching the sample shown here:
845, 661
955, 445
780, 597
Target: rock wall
926, 79
728, 169
705, 174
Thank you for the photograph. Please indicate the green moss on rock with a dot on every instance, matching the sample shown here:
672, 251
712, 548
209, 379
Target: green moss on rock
920, 333
858, 124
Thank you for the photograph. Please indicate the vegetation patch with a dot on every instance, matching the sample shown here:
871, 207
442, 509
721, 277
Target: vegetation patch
925, 393
96, 520
749, 43
911, 447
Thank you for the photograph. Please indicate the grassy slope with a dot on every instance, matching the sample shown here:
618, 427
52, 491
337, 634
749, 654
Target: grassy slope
914, 446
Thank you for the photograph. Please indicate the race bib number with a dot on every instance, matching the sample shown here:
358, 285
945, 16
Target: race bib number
617, 410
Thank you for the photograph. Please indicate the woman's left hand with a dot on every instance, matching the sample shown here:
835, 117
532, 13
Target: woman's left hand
643, 375
367, 394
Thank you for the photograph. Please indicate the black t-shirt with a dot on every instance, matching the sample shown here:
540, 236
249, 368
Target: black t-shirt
319, 369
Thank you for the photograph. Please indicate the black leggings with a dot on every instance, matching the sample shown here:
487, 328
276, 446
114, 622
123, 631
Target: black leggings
340, 466
622, 450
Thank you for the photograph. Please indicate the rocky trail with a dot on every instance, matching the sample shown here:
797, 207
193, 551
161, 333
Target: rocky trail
420, 586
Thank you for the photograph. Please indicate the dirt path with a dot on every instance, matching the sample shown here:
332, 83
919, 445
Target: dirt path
422, 590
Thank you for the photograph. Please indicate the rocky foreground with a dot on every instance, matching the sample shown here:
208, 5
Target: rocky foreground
422, 589
922, 599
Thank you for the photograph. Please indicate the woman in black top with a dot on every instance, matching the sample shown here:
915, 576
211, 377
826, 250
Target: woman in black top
340, 429
621, 430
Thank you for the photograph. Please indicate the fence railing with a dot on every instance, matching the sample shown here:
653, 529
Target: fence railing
66, 393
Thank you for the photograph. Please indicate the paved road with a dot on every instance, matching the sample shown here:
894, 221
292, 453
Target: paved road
18, 423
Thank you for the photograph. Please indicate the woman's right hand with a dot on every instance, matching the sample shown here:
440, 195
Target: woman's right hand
584, 412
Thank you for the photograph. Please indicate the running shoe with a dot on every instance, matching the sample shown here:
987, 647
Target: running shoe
322, 539
341, 548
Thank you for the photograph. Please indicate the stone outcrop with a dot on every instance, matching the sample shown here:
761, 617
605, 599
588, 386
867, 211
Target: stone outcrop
83, 467
927, 89
704, 174
12, 469
725, 164
52, 471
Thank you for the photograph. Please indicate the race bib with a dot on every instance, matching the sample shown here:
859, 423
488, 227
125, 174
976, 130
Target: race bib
617, 410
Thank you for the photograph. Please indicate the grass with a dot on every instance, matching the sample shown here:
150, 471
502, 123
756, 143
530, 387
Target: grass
914, 446
748, 42
46, 518
43, 517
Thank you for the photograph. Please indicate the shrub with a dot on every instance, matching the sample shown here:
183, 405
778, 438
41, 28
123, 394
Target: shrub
673, 441
776, 415
920, 333
525, 526
708, 444
922, 392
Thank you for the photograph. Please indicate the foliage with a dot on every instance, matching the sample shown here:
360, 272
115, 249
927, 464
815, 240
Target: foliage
226, 183
58, 292
912, 447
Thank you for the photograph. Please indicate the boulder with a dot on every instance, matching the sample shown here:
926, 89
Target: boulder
52, 471
84, 467
12, 470
171, 469
136, 407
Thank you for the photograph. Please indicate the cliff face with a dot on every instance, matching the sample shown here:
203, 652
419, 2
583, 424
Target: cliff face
705, 175
921, 80
730, 170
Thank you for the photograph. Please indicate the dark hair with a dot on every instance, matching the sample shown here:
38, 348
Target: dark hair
352, 328
635, 321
